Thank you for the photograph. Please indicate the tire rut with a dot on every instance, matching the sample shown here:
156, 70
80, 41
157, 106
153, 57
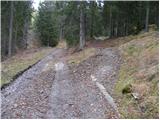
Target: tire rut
59, 90
28, 95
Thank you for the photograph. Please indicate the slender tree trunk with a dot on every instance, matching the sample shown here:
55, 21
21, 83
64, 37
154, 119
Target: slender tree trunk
110, 22
48, 42
4, 44
141, 15
116, 29
92, 18
113, 28
91, 32
147, 17
61, 33
116, 26
4, 39
157, 16
10, 30
124, 29
126, 32
82, 28
25, 32
85, 29
15, 39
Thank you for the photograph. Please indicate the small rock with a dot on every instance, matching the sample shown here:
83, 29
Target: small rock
15, 105
41, 91
91, 104
135, 95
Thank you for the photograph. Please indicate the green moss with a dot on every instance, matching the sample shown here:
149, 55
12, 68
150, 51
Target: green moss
127, 89
131, 50
125, 79
152, 45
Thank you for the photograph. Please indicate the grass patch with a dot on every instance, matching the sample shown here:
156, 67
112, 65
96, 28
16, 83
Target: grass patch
131, 49
78, 57
153, 46
124, 80
20, 62
129, 109
139, 71
62, 44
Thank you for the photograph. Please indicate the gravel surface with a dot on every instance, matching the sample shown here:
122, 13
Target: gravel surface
99, 74
57, 90
28, 95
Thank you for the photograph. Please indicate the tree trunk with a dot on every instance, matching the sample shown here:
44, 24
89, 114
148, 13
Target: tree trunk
85, 28
124, 29
157, 16
25, 32
48, 42
92, 18
116, 29
82, 28
61, 33
110, 22
10, 30
15, 39
147, 17
126, 32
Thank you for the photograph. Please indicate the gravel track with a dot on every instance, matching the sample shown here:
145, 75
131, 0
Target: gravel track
59, 90
27, 96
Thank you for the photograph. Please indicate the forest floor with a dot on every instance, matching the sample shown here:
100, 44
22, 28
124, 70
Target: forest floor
89, 83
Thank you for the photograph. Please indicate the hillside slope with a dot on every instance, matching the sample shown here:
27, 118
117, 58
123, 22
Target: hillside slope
137, 86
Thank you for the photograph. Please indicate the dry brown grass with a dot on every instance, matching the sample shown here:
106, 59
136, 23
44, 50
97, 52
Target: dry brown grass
78, 57
140, 70
62, 44
20, 62
142, 89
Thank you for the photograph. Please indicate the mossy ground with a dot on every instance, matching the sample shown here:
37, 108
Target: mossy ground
20, 62
140, 70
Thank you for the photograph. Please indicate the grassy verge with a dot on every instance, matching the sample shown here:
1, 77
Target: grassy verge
78, 57
20, 62
139, 76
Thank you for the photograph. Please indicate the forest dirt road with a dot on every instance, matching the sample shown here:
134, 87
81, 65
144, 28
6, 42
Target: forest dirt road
54, 89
